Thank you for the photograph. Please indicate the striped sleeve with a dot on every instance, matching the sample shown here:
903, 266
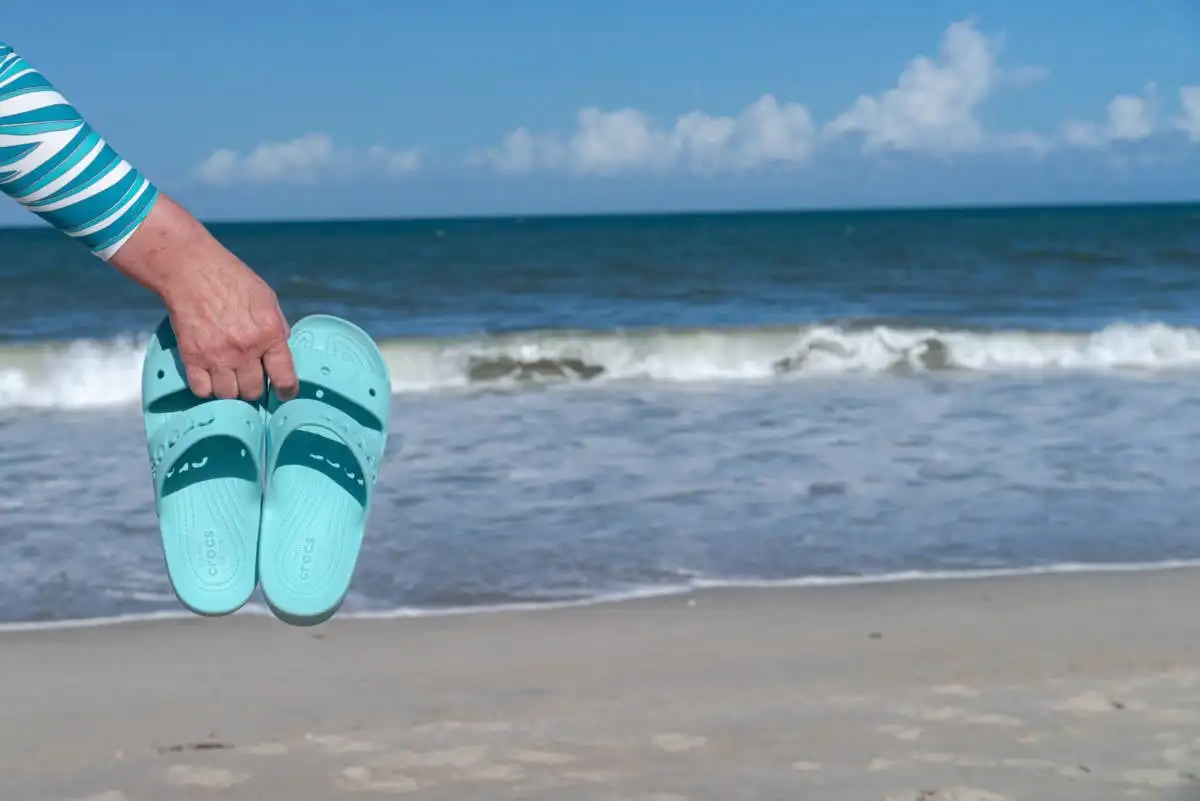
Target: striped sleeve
55, 165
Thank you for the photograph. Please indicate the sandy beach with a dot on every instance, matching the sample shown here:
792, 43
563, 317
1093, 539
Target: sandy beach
1041, 687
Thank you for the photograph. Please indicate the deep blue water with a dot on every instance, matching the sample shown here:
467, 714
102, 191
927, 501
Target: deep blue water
602, 405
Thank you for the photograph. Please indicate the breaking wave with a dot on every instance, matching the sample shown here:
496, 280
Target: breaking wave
90, 374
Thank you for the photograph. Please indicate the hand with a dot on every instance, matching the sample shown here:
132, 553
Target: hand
227, 320
229, 328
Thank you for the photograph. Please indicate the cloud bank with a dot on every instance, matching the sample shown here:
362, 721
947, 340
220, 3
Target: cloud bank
303, 160
934, 110
605, 143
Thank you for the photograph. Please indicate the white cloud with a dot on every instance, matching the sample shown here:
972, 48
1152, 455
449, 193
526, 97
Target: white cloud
1189, 118
1083, 134
766, 132
302, 160
1128, 118
934, 105
933, 108
521, 151
397, 163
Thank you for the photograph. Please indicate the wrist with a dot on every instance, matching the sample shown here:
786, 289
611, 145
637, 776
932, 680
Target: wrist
159, 252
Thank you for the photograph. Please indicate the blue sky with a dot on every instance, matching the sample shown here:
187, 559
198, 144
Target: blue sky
284, 108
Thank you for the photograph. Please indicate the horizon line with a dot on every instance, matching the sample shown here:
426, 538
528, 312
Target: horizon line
37, 223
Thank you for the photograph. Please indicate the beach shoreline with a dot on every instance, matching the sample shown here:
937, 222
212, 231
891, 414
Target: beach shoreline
255, 608
1075, 685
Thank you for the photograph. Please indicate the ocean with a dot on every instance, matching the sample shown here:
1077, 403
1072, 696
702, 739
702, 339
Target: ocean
592, 408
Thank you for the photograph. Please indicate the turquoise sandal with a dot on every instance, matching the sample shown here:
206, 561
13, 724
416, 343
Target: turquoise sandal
205, 458
323, 453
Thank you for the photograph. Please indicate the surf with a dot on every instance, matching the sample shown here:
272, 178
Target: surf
90, 374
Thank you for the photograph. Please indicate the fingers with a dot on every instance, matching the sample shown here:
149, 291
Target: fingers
229, 362
281, 371
224, 383
200, 382
250, 380
245, 382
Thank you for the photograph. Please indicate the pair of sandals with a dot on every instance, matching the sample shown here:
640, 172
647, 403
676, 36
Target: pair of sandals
271, 493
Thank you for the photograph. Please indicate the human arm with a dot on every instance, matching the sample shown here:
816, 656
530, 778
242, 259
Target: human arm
226, 319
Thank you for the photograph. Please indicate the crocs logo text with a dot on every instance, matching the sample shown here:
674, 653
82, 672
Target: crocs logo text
212, 553
306, 557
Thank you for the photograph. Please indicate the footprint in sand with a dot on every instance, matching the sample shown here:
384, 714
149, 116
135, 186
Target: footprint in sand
1030, 763
337, 744
1181, 716
462, 727
679, 743
1158, 778
531, 757
959, 760
1090, 701
208, 778
461, 757
358, 778
941, 713
906, 733
1180, 757
950, 794
993, 719
498, 773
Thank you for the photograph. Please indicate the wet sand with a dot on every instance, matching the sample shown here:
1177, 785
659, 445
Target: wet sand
1043, 687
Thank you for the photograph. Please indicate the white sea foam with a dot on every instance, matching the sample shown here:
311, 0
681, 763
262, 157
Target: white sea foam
92, 374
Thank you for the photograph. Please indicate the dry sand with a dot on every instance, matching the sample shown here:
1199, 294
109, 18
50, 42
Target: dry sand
1051, 687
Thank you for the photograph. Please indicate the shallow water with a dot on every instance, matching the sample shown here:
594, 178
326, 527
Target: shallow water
608, 406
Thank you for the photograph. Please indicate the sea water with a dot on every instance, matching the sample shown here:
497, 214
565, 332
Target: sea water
596, 407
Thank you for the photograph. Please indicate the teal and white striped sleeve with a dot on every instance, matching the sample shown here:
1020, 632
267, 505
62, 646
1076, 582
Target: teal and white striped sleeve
55, 165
